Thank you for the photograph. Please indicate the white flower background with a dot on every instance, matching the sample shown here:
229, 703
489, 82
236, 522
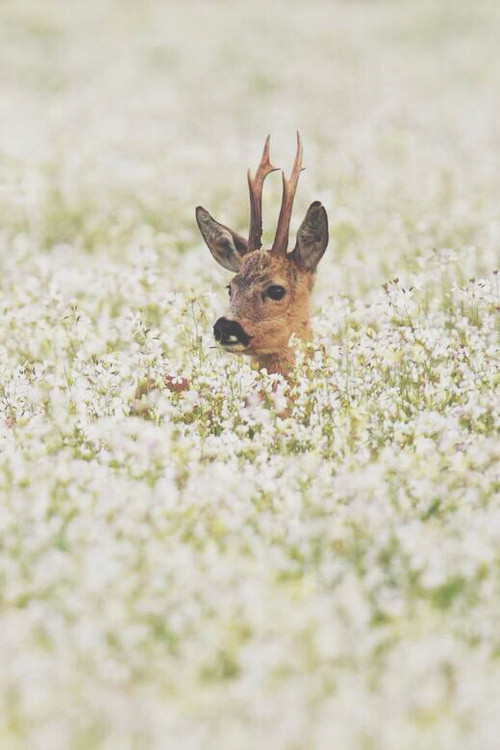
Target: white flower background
185, 561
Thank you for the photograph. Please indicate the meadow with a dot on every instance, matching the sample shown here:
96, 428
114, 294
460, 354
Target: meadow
194, 553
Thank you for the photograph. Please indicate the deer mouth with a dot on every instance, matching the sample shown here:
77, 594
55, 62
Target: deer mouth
235, 346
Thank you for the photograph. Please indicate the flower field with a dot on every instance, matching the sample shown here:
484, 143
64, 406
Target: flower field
194, 553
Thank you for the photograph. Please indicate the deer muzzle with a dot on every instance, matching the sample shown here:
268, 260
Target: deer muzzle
230, 334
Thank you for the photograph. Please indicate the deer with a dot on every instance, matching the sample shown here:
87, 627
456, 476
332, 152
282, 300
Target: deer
269, 295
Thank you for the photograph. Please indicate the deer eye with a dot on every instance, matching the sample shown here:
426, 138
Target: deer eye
228, 287
276, 292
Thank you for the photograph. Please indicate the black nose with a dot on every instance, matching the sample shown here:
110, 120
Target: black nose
230, 332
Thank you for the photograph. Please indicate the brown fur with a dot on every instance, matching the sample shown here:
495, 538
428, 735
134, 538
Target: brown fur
269, 322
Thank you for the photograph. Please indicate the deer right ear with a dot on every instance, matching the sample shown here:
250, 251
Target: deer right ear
227, 247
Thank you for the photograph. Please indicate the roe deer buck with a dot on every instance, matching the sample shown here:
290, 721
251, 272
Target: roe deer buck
269, 296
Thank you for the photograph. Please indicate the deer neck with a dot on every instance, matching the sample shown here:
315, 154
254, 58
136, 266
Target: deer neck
283, 361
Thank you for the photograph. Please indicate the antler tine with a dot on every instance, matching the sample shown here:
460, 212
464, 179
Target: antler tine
255, 187
289, 187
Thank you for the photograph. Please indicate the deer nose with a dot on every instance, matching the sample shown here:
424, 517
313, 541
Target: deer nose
230, 332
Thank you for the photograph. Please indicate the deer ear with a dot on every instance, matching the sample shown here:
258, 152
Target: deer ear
312, 238
226, 246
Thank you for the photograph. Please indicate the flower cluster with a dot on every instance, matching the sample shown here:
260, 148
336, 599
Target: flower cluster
194, 553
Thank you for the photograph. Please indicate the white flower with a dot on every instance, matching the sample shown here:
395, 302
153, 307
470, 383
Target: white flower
191, 548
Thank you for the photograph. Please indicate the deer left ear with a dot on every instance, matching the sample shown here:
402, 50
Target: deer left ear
312, 238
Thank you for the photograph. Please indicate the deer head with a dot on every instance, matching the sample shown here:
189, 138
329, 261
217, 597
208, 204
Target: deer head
269, 295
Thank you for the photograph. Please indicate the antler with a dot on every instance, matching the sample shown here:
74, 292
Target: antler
255, 187
289, 187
